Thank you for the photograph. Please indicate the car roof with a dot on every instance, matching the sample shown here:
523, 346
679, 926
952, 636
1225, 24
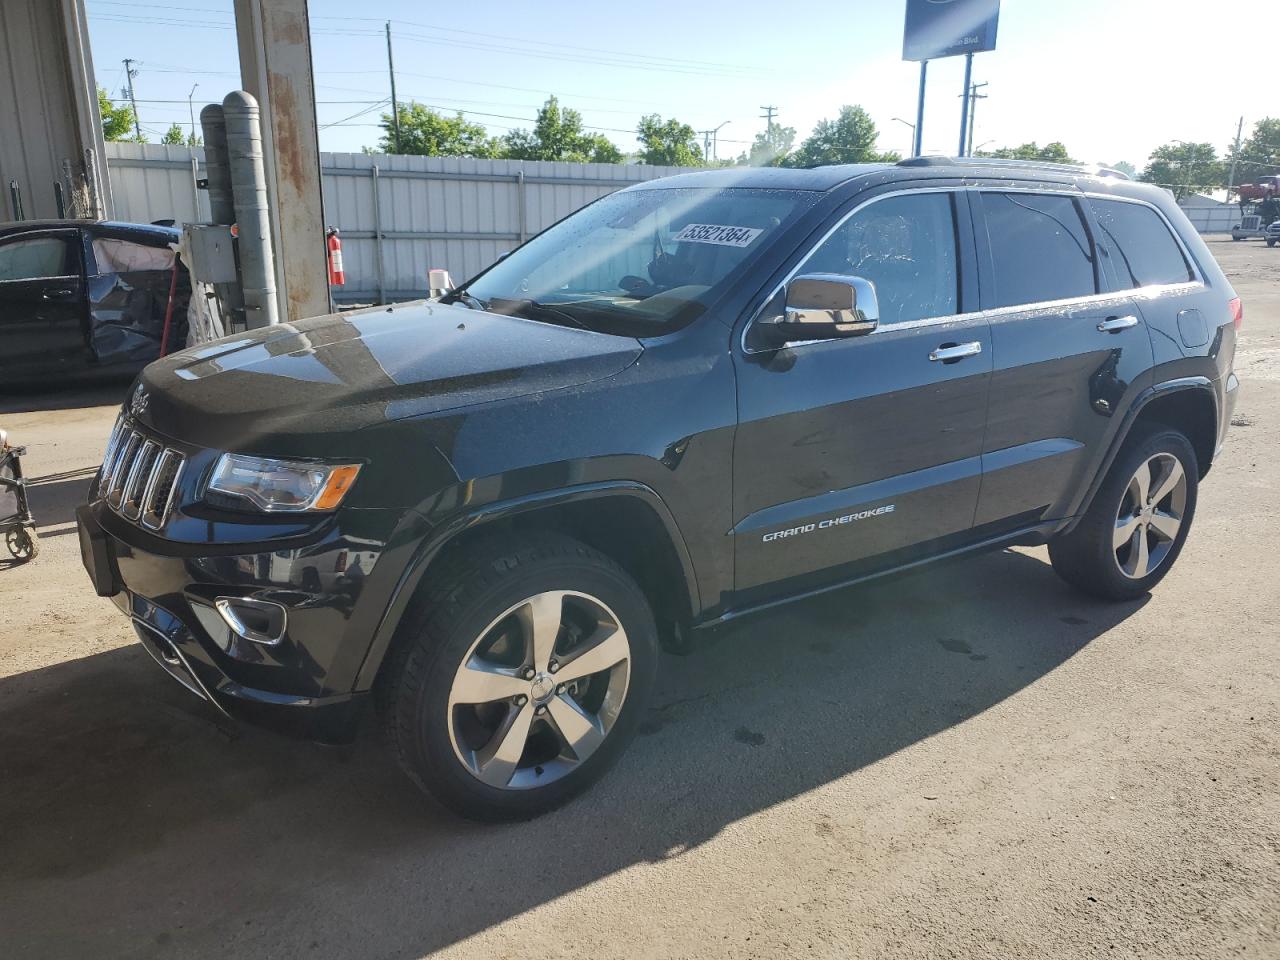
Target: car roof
775, 178
825, 178
153, 231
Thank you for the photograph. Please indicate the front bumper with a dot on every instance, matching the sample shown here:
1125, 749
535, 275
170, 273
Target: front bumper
332, 587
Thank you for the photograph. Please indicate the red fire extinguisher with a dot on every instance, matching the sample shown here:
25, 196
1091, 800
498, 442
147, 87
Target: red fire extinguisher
337, 278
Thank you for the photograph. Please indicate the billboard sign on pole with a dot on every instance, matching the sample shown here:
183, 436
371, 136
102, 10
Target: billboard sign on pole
947, 28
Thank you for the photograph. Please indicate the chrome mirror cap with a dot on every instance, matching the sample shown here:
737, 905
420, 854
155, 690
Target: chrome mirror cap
832, 304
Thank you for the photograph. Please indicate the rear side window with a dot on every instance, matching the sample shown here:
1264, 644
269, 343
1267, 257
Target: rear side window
1143, 252
906, 246
1040, 248
35, 258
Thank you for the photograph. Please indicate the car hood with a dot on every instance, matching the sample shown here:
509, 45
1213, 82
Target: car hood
347, 371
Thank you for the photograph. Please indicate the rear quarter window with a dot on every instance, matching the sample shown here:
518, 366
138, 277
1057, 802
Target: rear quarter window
1142, 251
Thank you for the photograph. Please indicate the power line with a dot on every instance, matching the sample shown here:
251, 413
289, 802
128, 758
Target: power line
360, 113
484, 36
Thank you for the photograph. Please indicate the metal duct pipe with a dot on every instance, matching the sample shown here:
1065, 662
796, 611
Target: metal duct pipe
217, 165
249, 188
222, 207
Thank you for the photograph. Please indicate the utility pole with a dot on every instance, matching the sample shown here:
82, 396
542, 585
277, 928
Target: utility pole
918, 136
767, 117
974, 97
1235, 158
709, 143
131, 73
964, 110
395, 104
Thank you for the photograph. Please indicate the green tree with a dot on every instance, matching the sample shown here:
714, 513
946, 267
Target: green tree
1051, 152
429, 134
1260, 154
667, 143
174, 135
558, 134
1125, 167
117, 122
1186, 168
850, 138
770, 147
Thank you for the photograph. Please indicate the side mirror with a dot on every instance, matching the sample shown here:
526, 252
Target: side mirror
821, 306
438, 283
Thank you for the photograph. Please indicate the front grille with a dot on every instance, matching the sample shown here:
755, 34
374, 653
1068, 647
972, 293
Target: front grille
139, 476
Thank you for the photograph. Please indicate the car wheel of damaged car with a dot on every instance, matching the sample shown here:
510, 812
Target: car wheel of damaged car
519, 676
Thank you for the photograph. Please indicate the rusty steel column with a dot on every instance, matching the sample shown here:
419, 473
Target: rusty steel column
275, 66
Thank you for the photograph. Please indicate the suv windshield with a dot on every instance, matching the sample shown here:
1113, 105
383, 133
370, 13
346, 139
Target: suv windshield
638, 262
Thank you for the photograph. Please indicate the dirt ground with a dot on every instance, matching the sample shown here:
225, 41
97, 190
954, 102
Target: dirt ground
972, 761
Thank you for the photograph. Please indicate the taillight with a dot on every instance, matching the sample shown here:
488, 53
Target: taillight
1237, 312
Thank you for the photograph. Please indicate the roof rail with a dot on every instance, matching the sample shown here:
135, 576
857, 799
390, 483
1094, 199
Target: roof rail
1094, 170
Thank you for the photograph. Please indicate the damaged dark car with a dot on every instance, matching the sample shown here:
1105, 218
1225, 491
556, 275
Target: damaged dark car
82, 299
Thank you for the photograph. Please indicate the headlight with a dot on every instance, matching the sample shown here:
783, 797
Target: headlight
283, 486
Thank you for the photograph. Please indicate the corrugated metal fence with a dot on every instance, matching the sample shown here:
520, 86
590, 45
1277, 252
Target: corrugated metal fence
398, 215
1212, 219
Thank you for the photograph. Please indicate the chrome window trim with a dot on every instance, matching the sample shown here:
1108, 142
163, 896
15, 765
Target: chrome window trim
995, 312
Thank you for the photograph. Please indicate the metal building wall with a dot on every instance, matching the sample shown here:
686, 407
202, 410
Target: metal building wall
449, 212
48, 110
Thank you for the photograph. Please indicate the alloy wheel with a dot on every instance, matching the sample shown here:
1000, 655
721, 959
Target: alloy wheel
1150, 515
539, 690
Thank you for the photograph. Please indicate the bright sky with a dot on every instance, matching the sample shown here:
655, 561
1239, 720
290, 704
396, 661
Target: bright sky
1110, 78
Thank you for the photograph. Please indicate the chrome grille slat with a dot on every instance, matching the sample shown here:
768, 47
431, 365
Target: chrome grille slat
139, 476
120, 472
159, 497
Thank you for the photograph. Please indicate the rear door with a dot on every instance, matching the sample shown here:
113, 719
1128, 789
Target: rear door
1068, 351
853, 449
42, 304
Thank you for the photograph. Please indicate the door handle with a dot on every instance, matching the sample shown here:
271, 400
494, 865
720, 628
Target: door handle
56, 294
1116, 324
951, 352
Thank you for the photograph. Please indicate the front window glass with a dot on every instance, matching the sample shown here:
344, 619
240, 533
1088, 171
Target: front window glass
906, 246
34, 259
639, 262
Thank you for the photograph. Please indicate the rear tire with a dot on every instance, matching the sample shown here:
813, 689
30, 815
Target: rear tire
546, 722
1134, 529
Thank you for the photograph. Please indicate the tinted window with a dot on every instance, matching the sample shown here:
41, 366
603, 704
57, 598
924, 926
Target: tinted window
906, 246
1143, 252
34, 258
1040, 248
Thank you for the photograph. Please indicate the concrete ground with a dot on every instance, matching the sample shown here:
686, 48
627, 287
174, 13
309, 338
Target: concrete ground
972, 761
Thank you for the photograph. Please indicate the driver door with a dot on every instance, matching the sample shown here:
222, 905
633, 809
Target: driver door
857, 452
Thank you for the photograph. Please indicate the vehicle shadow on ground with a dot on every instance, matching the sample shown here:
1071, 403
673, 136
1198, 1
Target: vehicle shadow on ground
137, 824
53, 499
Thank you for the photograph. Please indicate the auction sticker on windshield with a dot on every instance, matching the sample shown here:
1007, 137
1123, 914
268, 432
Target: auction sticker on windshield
714, 233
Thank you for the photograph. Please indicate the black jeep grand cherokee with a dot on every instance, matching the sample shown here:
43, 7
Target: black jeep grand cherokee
692, 399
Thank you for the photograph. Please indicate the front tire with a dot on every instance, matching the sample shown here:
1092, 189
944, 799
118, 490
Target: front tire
1132, 533
519, 675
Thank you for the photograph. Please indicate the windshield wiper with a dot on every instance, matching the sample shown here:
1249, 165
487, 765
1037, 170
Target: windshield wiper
461, 296
533, 310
